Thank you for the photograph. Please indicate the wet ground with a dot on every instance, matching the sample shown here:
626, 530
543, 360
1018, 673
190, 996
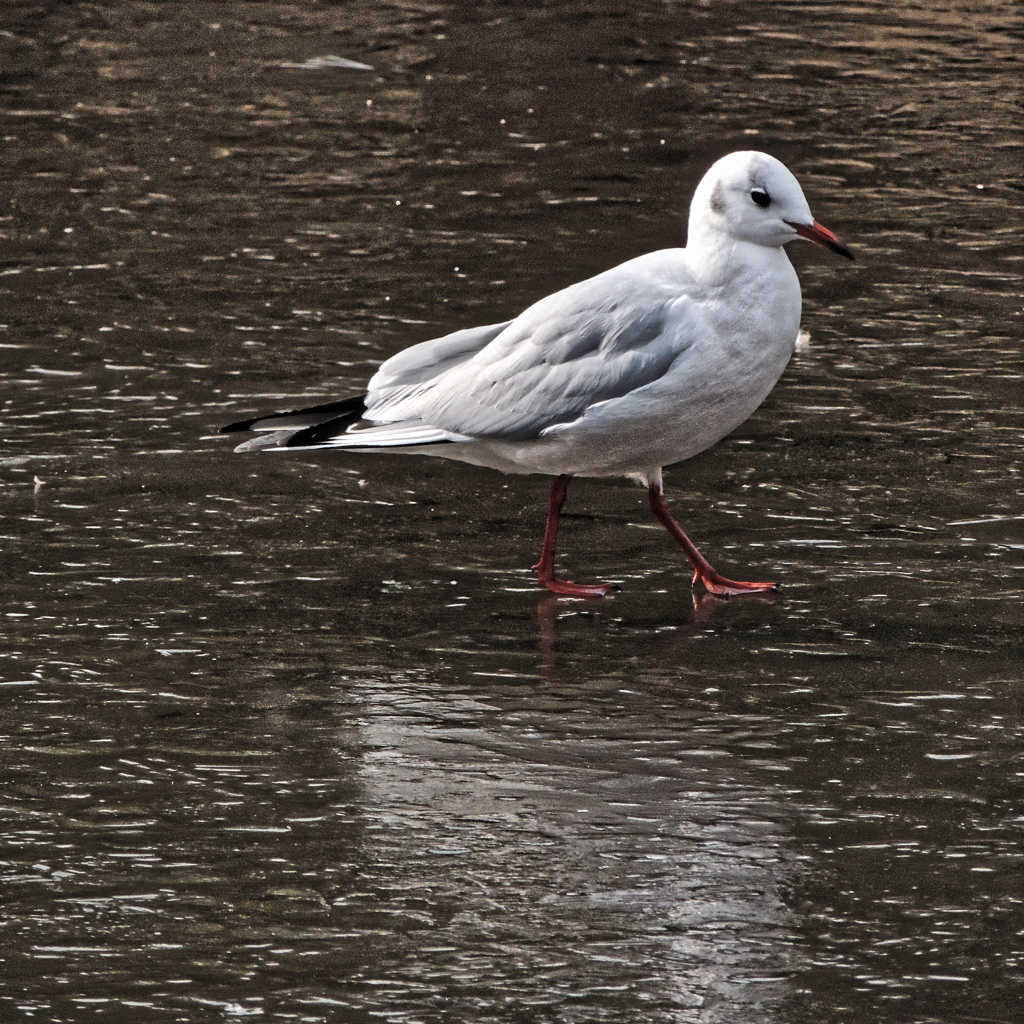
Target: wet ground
297, 737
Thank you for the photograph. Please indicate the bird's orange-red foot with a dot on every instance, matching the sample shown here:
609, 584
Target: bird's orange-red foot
545, 567
568, 588
704, 573
717, 584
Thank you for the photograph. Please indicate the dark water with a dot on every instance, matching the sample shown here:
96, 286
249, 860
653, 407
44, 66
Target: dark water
298, 738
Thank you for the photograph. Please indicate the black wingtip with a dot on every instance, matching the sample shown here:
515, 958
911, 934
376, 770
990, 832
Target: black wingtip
320, 432
324, 433
234, 428
352, 408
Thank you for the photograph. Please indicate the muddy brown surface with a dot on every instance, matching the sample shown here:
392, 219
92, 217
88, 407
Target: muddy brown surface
296, 737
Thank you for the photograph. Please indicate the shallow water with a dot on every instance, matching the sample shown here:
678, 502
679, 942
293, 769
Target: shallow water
298, 738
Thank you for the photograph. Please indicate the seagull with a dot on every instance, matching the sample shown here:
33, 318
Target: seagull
637, 368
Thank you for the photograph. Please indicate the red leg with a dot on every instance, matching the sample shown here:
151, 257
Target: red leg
546, 566
704, 572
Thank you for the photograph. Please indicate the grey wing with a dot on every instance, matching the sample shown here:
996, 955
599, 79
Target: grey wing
595, 341
414, 369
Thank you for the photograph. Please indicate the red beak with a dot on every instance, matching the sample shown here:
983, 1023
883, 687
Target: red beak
819, 233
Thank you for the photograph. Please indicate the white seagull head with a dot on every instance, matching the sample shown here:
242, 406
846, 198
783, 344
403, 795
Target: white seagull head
752, 197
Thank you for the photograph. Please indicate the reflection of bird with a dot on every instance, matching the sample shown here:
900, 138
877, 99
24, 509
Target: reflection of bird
641, 366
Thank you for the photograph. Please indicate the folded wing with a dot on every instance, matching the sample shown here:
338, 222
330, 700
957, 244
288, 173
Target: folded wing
595, 341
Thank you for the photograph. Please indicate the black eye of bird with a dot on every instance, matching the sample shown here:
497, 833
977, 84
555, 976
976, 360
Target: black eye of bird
760, 196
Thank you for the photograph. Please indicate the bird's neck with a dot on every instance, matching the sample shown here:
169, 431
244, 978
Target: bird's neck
717, 259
